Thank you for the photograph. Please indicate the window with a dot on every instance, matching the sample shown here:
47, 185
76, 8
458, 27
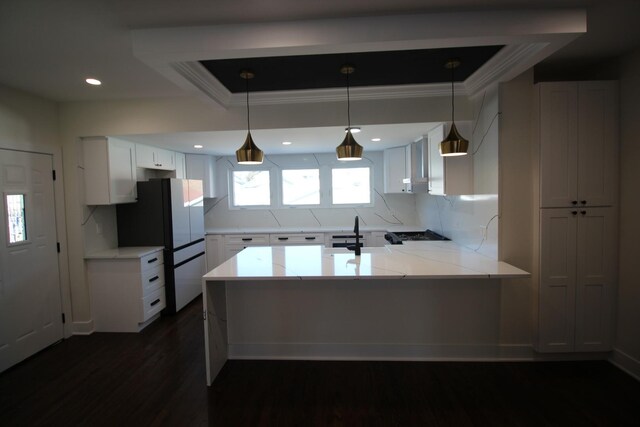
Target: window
251, 188
16, 218
351, 186
301, 187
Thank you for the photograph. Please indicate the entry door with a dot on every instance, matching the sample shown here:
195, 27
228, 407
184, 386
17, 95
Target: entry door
30, 305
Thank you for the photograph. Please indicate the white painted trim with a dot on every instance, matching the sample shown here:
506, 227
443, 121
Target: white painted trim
626, 362
83, 328
409, 352
529, 36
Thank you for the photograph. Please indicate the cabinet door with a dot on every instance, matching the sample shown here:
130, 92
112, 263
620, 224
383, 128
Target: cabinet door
556, 328
597, 142
145, 156
595, 279
181, 167
436, 161
558, 144
395, 170
214, 248
202, 166
122, 172
164, 159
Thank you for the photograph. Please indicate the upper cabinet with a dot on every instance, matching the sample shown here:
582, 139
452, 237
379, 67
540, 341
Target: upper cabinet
447, 175
149, 157
109, 171
397, 167
203, 167
181, 165
578, 134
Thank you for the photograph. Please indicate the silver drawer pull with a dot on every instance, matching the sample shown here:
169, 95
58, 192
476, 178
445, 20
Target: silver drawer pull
152, 260
155, 302
153, 279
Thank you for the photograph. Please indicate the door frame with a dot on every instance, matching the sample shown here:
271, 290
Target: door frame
61, 223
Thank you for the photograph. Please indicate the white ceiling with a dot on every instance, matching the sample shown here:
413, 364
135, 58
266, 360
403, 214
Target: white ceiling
49, 47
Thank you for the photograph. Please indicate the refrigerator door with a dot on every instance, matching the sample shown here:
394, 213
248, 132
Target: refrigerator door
196, 209
179, 190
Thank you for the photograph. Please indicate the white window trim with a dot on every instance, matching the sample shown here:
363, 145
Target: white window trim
352, 205
272, 187
280, 194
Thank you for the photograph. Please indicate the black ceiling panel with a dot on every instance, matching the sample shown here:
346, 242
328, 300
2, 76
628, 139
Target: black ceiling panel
371, 69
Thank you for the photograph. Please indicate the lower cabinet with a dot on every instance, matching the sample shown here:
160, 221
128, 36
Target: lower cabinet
214, 250
126, 293
295, 239
577, 279
234, 243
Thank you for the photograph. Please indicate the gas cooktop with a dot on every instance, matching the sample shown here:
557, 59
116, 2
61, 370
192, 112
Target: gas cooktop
399, 237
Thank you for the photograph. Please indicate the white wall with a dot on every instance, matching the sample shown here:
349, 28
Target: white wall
627, 342
388, 210
464, 219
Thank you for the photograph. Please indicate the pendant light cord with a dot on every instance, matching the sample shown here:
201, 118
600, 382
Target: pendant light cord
247, 90
348, 105
452, 95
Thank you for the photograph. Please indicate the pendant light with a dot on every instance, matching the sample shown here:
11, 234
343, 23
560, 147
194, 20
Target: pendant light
249, 153
454, 144
349, 149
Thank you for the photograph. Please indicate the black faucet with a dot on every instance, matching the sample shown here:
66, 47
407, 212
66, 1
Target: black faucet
356, 230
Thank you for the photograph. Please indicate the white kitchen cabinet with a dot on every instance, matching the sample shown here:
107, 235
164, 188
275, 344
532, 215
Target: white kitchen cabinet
234, 243
109, 171
397, 167
447, 175
149, 157
181, 165
578, 137
577, 279
214, 250
294, 239
126, 293
203, 167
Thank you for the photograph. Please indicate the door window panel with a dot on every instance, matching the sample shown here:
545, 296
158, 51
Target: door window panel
17, 224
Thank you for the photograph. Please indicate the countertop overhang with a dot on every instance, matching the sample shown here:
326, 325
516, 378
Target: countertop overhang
412, 260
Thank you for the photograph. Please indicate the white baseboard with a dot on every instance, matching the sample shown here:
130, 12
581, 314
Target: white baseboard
339, 351
625, 362
83, 328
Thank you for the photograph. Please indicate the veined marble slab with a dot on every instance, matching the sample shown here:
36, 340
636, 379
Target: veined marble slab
413, 260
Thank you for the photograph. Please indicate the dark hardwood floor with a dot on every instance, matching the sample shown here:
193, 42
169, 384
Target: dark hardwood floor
157, 377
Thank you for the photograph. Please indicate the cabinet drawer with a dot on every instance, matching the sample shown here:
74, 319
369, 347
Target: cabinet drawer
152, 304
152, 279
297, 239
152, 260
247, 239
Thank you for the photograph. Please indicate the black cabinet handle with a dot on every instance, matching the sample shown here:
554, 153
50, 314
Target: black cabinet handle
153, 279
584, 202
155, 302
247, 239
574, 212
574, 202
152, 260
310, 238
283, 238
583, 212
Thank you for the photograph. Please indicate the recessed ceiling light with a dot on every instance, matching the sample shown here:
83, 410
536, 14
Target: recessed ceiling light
286, 142
375, 139
93, 82
354, 129
198, 146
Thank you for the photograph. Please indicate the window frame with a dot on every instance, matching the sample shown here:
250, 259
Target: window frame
257, 168
281, 202
352, 205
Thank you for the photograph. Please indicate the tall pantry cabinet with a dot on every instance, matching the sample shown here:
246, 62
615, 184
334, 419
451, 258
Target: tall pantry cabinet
576, 135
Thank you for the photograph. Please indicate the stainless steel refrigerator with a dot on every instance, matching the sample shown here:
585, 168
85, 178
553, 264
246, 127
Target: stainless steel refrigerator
169, 213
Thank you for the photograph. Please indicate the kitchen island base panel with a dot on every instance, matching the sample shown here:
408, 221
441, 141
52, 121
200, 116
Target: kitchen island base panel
364, 319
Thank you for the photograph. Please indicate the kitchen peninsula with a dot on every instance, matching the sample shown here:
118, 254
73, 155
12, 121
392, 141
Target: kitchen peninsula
417, 301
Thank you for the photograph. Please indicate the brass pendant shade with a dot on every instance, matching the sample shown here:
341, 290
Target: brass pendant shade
349, 150
249, 153
454, 144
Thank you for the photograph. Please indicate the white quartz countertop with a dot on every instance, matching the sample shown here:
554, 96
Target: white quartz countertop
319, 229
124, 253
412, 260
